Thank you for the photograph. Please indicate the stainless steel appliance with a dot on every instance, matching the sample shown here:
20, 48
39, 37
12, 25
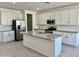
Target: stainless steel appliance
18, 26
49, 21
50, 29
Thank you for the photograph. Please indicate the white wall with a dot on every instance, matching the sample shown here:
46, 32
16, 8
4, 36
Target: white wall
34, 18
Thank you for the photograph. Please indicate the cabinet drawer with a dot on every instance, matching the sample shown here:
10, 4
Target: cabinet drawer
11, 35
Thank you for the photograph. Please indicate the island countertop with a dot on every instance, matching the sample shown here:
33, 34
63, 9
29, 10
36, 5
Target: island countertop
49, 36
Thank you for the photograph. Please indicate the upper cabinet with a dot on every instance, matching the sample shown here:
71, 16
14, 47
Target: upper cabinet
62, 17
17, 15
8, 15
74, 16
78, 16
4, 16
58, 18
65, 17
42, 18
51, 15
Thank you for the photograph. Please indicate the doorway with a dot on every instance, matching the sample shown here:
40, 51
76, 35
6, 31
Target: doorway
29, 22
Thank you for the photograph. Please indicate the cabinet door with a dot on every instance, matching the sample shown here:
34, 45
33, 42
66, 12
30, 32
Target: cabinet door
1, 36
73, 16
11, 35
58, 18
72, 39
65, 17
20, 16
42, 18
4, 17
9, 21
78, 16
51, 15
65, 38
6, 36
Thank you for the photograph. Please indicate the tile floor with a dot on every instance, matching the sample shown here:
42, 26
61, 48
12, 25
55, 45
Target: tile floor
16, 49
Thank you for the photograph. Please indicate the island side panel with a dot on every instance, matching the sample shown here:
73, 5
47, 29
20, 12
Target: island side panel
58, 46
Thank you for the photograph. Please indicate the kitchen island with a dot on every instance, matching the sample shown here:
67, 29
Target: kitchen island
44, 43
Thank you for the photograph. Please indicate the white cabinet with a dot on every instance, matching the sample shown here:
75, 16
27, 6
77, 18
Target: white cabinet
17, 15
8, 36
20, 15
58, 18
51, 15
65, 17
65, 38
42, 18
78, 16
11, 35
8, 16
0, 36
74, 16
5, 16
71, 39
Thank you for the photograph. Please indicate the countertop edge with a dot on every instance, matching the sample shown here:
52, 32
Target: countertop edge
6, 30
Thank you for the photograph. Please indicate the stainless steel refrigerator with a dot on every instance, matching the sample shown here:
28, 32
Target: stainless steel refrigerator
18, 26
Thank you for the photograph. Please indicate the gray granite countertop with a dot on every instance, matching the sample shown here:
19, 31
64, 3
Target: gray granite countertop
49, 36
5, 30
68, 31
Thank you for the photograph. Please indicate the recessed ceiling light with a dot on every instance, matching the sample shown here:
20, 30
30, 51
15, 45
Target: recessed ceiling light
37, 8
14, 2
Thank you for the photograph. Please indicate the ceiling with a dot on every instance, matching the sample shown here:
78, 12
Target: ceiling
33, 5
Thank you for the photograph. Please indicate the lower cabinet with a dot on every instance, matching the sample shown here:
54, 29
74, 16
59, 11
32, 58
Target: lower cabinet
0, 36
71, 39
8, 36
